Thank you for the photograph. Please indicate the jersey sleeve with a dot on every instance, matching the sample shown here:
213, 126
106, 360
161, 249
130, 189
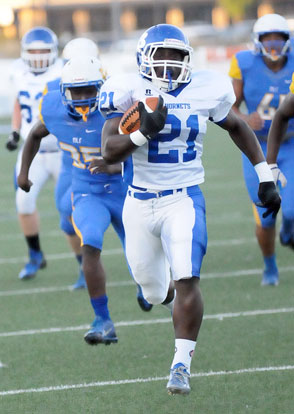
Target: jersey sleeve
47, 109
235, 71
224, 101
292, 84
41, 109
45, 90
115, 97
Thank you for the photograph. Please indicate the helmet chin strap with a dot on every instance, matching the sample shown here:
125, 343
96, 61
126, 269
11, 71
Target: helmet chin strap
83, 111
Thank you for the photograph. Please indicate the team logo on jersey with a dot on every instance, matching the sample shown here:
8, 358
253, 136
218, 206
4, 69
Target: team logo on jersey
148, 92
76, 140
273, 89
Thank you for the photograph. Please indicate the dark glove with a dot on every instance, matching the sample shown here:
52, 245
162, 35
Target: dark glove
152, 122
269, 198
13, 138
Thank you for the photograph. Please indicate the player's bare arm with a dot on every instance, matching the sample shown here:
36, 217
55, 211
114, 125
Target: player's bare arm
243, 137
254, 120
246, 140
279, 127
238, 89
31, 147
115, 147
118, 147
16, 116
14, 136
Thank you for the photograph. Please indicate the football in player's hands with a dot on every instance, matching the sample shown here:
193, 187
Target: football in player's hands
151, 123
130, 122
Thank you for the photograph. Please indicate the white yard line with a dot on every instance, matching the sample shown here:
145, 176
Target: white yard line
55, 289
119, 251
242, 272
144, 380
56, 256
204, 276
56, 233
17, 236
217, 316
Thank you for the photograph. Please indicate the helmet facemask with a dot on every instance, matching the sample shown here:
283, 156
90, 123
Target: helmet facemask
38, 62
81, 107
162, 72
274, 49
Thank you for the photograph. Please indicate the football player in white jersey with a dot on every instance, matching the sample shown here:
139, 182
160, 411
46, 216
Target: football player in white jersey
40, 63
164, 211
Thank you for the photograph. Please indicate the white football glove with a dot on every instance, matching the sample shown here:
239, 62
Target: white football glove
278, 175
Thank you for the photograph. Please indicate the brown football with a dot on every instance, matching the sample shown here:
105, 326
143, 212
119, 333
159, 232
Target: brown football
130, 122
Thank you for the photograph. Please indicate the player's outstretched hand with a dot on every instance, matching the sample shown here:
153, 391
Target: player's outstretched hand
98, 166
24, 183
255, 121
152, 122
12, 141
278, 175
269, 198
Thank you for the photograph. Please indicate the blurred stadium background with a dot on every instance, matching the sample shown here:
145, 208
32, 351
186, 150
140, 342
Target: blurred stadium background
216, 28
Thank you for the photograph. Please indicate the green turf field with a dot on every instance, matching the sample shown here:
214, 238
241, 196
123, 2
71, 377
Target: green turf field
244, 361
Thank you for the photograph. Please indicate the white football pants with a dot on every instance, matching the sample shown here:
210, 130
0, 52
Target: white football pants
44, 166
165, 237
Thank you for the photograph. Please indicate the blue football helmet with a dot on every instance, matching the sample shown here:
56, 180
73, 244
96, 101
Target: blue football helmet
164, 36
272, 49
80, 73
39, 49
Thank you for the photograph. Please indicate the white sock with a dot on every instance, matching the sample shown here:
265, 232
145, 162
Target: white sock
184, 350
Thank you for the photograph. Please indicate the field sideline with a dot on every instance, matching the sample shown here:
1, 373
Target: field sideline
244, 360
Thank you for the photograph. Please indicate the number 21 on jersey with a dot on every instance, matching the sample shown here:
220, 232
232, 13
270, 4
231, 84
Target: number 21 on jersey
173, 155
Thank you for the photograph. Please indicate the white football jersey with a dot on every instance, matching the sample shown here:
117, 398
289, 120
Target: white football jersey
29, 89
173, 159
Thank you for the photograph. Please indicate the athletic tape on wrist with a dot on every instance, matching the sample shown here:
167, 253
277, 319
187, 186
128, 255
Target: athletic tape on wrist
264, 172
138, 138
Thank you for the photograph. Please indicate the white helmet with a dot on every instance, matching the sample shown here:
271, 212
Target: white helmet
81, 47
272, 23
78, 73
